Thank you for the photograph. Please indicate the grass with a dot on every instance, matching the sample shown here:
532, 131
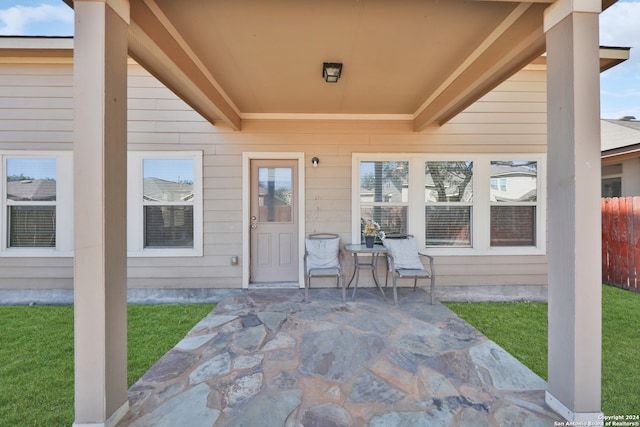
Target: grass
504, 323
36, 356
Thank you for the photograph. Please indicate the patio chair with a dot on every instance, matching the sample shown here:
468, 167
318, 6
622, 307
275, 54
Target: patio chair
403, 261
323, 258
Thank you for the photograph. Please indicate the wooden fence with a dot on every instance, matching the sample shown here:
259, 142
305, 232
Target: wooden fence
621, 242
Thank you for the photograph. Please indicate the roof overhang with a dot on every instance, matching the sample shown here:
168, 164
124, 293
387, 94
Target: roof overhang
612, 56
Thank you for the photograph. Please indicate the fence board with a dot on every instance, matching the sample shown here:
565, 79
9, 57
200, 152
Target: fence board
621, 242
614, 241
636, 243
606, 276
624, 242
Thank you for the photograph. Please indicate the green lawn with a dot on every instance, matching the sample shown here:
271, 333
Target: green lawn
36, 356
505, 323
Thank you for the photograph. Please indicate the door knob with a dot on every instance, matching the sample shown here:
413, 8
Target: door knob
254, 226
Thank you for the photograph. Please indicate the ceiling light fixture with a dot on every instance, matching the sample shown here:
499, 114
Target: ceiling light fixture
331, 71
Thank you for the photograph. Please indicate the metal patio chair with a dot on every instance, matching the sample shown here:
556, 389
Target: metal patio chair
404, 261
323, 258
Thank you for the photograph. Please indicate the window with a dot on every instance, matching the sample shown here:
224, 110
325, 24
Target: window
513, 205
499, 184
449, 203
611, 187
475, 204
384, 194
37, 203
275, 194
165, 204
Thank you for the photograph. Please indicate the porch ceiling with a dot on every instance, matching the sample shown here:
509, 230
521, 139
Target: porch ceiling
418, 60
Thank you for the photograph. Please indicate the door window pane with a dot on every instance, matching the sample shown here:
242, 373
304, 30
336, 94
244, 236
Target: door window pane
275, 190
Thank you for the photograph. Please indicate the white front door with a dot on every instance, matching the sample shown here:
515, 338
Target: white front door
274, 221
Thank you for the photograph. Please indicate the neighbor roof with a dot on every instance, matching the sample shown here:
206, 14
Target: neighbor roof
619, 136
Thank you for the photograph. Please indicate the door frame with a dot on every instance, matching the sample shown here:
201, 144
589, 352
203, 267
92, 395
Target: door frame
247, 157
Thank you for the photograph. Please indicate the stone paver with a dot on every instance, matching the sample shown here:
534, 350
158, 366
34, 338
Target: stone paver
190, 405
266, 358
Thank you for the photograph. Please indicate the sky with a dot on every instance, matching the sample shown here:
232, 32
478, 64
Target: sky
32, 168
619, 26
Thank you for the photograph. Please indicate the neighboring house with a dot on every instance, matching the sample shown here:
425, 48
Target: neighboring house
424, 84
620, 141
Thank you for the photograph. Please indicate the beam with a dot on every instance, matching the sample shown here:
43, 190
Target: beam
511, 1
487, 66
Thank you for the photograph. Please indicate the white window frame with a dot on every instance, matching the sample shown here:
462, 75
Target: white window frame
518, 204
374, 204
355, 188
453, 204
481, 207
63, 204
135, 205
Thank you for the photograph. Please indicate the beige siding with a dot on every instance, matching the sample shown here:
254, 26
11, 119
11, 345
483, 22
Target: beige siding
36, 113
36, 108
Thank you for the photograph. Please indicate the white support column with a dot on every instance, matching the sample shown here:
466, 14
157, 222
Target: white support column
100, 160
575, 314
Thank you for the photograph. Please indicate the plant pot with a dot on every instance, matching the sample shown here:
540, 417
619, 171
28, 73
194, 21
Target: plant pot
369, 240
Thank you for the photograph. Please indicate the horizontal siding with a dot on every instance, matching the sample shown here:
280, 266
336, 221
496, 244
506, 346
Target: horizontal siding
504, 108
37, 283
36, 111
36, 273
49, 104
36, 106
515, 118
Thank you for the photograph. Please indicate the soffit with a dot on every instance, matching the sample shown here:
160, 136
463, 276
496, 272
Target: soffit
420, 60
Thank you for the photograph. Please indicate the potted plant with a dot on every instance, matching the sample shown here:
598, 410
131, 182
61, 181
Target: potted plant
371, 231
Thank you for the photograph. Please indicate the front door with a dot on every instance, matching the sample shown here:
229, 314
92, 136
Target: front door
273, 221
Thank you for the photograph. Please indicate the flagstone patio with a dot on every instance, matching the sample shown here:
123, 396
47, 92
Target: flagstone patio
266, 358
